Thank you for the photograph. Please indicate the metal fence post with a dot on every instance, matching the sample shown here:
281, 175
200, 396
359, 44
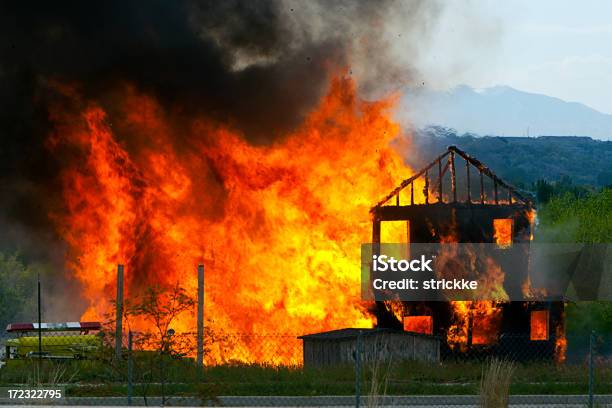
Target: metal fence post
130, 368
200, 352
358, 371
119, 315
591, 379
39, 333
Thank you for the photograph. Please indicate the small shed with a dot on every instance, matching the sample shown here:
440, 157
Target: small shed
338, 347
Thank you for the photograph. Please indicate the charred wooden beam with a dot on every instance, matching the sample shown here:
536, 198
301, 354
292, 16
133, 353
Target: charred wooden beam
376, 229
480, 166
482, 192
439, 181
470, 325
495, 192
426, 188
407, 234
409, 180
453, 176
443, 210
467, 170
452, 150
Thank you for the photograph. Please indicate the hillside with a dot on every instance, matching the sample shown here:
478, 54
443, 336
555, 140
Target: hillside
523, 160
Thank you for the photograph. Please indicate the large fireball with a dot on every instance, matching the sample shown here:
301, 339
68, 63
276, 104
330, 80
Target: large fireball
277, 226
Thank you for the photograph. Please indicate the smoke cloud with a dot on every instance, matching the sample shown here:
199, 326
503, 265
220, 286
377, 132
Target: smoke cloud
258, 66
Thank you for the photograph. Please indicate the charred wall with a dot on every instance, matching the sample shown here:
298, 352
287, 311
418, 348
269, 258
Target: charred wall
468, 222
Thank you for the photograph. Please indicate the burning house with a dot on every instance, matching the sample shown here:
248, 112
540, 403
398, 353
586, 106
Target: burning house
484, 210
458, 199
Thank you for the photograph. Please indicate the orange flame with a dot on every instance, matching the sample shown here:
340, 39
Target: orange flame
503, 232
278, 227
560, 344
418, 324
539, 325
485, 320
481, 317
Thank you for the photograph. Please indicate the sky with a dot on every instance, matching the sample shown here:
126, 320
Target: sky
557, 48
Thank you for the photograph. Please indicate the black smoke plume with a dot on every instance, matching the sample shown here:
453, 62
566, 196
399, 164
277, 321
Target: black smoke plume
258, 66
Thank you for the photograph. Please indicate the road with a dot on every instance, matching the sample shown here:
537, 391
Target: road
429, 401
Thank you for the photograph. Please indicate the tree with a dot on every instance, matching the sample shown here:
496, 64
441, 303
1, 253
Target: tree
571, 218
161, 307
17, 290
605, 179
575, 218
544, 191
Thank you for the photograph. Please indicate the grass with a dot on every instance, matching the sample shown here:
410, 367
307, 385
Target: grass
181, 377
495, 384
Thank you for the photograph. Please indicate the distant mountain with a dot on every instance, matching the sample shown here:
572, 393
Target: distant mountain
503, 111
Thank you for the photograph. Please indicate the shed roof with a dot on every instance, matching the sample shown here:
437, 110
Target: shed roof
348, 333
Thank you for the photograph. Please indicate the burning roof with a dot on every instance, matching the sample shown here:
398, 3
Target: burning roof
445, 163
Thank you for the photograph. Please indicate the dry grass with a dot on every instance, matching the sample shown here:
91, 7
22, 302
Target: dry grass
378, 383
495, 383
50, 373
379, 370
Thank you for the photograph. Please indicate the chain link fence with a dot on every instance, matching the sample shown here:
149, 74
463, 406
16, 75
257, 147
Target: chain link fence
268, 370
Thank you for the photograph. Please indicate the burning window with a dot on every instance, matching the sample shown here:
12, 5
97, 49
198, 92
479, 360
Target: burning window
539, 325
486, 322
483, 332
395, 232
502, 228
418, 324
